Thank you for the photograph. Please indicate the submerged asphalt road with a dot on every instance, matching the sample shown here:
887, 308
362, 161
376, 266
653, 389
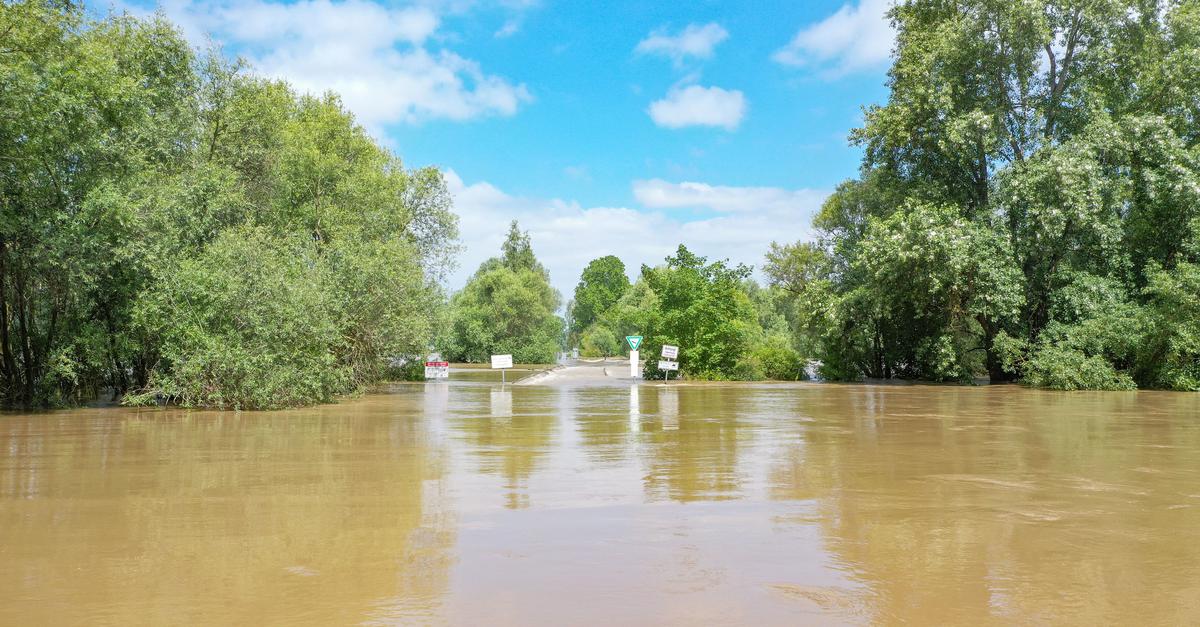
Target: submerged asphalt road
583, 373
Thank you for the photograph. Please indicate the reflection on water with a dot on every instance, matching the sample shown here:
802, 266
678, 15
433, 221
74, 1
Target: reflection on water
465, 503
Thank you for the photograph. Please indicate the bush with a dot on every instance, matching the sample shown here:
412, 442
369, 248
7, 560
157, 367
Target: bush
775, 359
1060, 368
1169, 354
405, 369
599, 341
244, 326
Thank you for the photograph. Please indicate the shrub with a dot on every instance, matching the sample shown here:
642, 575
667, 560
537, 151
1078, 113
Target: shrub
1060, 368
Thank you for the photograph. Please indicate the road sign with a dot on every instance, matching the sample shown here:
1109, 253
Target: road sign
634, 341
502, 363
437, 370
668, 365
670, 352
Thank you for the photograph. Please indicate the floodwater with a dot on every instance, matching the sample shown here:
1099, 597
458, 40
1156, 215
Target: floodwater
468, 504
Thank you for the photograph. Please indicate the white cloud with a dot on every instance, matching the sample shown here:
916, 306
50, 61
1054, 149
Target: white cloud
375, 56
351, 23
699, 106
660, 194
693, 41
509, 29
857, 37
566, 235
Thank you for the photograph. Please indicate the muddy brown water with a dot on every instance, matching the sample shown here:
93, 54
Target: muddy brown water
464, 503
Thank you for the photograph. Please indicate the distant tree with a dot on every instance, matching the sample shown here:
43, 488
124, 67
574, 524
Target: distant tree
703, 309
518, 251
601, 285
507, 307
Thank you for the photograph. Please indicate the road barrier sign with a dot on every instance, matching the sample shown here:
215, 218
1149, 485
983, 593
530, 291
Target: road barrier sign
670, 352
668, 365
437, 370
634, 341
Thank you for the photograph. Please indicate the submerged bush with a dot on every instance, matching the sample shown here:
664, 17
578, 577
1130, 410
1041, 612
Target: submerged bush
245, 325
1059, 368
775, 359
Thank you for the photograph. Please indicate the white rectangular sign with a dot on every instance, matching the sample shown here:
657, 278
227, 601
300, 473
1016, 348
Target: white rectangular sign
668, 365
670, 352
437, 370
501, 361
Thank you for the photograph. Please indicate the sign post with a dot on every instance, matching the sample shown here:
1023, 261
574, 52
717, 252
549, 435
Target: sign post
502, 363
669, 354
634, 342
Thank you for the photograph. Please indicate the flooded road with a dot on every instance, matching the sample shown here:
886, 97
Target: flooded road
469, 504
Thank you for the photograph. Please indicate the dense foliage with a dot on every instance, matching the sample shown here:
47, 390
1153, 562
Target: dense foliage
1028, 207
507, 308
725, 325
171, 227
601, 285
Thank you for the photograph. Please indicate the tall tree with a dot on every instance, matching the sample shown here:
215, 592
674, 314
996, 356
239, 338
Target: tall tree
601, 285
507, 307
1056, 137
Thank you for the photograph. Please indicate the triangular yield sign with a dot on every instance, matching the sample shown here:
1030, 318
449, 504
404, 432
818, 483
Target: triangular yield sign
634, 341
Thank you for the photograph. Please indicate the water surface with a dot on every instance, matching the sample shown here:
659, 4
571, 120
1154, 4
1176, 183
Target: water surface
466, 503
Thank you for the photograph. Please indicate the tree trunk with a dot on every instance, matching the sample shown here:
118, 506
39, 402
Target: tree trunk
7, 363
23, 318
996, 372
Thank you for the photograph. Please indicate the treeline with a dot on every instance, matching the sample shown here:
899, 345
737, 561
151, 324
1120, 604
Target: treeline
173, 228
1028, 206
725, 325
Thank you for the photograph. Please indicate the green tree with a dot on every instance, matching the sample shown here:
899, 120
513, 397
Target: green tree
507, 307
1027, 153
703, 309
599, 341
130, 172
92, 111
601, 285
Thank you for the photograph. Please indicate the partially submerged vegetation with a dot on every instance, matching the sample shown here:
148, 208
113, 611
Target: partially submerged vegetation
726, 326
173, 228
1028, 206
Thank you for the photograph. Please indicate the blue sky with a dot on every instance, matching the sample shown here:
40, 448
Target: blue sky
604, 127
